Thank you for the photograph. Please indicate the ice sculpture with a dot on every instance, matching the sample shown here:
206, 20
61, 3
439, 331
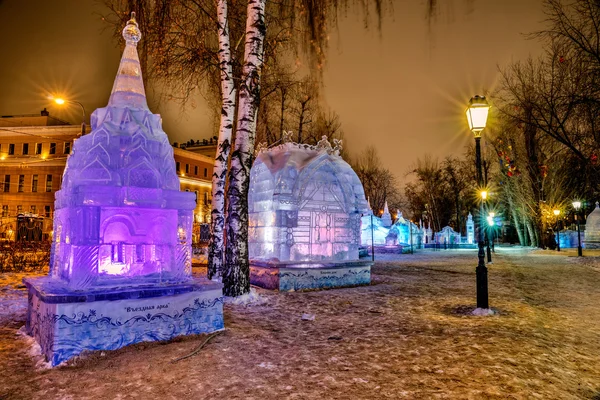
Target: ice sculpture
386, 217
592, 229
122, 235
470, 229
390, 239
305, 205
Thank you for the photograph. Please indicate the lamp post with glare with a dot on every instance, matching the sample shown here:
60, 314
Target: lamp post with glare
61, 101
557, 213
477, 113
577, 207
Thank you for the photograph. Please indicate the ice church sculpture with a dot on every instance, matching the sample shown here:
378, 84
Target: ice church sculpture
121, 258
390, 237
305, 205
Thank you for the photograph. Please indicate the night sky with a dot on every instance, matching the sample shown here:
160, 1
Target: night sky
403, 91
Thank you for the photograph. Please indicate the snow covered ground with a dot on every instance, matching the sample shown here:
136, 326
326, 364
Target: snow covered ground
408, 335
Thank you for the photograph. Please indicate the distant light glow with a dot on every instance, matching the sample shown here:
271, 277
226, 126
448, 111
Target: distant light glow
556, 212
58, 100
577, 205
483, 194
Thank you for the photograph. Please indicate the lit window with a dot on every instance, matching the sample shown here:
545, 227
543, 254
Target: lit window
34, 183
117, 252
139, 253
5, 211
33, 209
19, 209
48, 183
21, 183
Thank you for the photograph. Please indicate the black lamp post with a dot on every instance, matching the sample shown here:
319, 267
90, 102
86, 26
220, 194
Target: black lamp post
477, 113
557, 213
577, 207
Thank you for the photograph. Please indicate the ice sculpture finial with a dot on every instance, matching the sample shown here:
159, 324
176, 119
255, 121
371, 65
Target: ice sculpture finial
128, 89
131, 32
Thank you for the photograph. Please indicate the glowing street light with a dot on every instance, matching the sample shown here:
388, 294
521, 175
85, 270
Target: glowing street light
477, 113
61, 101
577, 207
556, 214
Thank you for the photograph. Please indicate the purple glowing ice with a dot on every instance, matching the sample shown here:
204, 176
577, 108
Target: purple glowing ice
120, 218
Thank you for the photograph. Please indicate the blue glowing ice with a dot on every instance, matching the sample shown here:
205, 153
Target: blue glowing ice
305, 204
120, 216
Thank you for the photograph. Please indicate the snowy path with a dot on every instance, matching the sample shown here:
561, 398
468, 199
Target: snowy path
405, 336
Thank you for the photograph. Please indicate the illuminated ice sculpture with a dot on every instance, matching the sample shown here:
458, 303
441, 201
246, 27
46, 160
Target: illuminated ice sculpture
121, 256
305, 206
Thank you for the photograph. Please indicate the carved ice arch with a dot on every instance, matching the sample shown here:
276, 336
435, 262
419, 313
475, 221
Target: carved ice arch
142, 174
307, 178
100, 172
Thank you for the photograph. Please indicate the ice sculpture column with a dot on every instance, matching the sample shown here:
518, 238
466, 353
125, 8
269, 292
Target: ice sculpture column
122, 242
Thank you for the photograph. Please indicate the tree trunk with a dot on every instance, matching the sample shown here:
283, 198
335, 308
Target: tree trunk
228, 95
301, 123
236, 271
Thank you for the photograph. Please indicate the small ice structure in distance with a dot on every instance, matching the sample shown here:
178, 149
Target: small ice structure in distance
305, 205
120, 271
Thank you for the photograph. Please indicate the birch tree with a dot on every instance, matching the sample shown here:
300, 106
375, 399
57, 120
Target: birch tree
236, 270
228, 101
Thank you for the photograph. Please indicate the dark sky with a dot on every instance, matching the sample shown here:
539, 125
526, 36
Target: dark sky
403, 91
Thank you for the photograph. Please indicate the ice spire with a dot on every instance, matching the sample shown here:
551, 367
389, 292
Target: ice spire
128, 89
386, 210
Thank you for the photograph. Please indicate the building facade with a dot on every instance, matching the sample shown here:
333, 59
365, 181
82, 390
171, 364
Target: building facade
33, 155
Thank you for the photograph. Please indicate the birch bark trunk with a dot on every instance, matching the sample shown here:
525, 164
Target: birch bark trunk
236, 270
228, 95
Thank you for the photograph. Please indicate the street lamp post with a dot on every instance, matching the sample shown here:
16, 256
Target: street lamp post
557, 213
61, 101
577, 207
477, 113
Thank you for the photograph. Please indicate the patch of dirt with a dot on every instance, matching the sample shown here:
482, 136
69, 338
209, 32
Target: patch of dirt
404, 337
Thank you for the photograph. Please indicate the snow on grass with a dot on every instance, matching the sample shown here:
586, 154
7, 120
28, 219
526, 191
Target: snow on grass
409, 335
253, 298
33, 350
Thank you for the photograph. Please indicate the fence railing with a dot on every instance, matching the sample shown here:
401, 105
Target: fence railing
24, 256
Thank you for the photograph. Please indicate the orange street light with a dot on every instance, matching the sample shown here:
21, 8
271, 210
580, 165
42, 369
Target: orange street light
61, 101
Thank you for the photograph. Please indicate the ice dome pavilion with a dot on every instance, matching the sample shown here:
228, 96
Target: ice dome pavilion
305, 206
120, 269
592, 229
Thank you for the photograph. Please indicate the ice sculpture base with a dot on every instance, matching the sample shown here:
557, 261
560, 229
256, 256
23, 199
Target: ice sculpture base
291, 276
66, 323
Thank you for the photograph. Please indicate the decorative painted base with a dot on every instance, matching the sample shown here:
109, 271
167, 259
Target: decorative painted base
287, 277
67, 323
